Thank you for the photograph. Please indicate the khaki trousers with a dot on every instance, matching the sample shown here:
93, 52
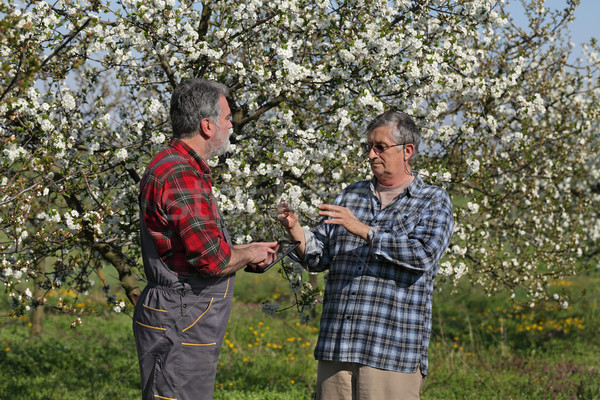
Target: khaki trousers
352, 381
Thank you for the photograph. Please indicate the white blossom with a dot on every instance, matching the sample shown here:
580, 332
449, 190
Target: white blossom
154, 106
121, 154
119, 307
68, 101
157, 138
473, 166
473, 207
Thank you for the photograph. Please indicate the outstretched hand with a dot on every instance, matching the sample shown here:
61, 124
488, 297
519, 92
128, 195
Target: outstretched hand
259, 254
339, 215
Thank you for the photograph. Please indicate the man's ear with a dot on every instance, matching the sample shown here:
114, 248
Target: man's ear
409, 150
206, 128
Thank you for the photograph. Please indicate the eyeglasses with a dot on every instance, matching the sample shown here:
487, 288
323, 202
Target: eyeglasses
377, 148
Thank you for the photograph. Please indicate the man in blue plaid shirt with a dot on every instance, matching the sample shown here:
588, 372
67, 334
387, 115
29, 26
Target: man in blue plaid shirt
382, 241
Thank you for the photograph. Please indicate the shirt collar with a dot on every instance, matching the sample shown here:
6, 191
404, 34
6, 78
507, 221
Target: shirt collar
190, 154
413, 189
417, 184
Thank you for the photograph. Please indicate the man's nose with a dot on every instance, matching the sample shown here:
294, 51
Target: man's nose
372, 154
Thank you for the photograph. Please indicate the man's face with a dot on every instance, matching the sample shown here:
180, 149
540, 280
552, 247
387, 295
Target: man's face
389, 166
220, 141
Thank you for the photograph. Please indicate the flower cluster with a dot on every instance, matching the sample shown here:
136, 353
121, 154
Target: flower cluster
305, 295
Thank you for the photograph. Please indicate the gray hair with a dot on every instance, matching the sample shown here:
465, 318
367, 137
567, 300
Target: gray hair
191, 102
404, 129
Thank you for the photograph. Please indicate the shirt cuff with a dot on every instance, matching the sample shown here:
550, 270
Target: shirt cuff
310, 247
373, 230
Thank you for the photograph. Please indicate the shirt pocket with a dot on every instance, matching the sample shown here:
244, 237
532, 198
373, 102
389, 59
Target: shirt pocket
405, 222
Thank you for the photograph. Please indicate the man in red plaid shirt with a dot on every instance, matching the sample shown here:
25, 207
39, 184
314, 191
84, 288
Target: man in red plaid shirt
189, 260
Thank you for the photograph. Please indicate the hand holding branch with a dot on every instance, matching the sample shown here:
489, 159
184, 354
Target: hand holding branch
289, 220
286, 216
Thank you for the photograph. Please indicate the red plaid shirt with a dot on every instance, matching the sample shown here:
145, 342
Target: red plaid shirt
181, 213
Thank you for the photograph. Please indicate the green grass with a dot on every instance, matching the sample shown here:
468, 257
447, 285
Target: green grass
95, 361
489, 348
481, 348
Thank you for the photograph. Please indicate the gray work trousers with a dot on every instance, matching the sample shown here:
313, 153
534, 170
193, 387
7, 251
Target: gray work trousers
179, 324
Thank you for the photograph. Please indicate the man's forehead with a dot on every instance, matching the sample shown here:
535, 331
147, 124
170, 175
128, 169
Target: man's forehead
380, 133
224, 103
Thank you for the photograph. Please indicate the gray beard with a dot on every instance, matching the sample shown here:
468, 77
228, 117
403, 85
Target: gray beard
215, 151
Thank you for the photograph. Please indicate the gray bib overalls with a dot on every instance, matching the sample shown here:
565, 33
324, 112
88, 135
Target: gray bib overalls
179, 324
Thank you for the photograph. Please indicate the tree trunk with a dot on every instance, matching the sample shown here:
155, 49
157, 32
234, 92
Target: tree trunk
111, 253
37, 315
121, 264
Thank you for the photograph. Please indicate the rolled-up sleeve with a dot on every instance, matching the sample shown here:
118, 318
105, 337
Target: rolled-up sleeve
416, 241
316, 254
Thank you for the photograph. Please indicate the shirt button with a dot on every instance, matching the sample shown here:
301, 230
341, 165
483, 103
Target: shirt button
353, 293
185, 306
348, 317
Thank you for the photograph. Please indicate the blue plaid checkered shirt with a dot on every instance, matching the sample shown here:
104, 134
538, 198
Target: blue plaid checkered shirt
378, 296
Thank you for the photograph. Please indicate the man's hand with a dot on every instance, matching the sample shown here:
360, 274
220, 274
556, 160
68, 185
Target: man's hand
259, 254
339, 215
286, 217
289, 220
